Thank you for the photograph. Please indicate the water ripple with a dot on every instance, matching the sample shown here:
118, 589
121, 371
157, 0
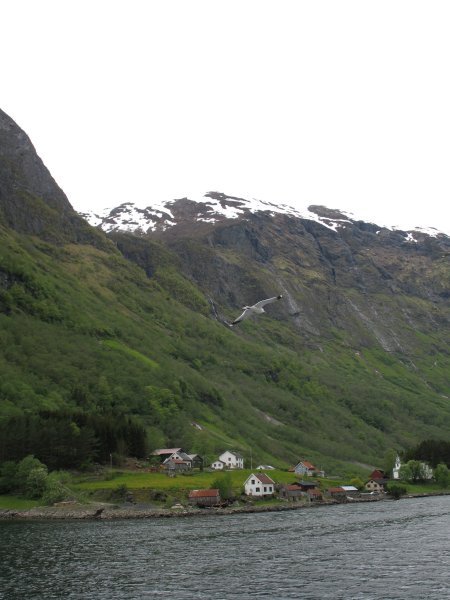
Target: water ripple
397, 550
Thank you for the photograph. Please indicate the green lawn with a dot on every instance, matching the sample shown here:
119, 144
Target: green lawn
159, 481
12, 502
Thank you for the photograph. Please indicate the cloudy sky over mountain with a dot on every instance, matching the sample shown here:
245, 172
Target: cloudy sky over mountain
337, 103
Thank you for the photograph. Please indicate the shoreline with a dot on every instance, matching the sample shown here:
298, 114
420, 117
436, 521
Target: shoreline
112, 513
96, 513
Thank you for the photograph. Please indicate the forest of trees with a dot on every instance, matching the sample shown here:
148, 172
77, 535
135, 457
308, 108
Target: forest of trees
433, 452
64, 440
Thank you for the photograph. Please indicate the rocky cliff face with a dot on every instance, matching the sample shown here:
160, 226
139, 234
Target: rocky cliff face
30, 199
340, 277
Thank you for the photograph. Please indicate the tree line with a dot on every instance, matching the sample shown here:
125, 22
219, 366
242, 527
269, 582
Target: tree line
64, 440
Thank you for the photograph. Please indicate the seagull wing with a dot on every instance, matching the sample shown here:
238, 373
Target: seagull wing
262, 303
245, 315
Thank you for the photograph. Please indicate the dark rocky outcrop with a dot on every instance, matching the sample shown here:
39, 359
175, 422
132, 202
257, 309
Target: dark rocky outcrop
30, 200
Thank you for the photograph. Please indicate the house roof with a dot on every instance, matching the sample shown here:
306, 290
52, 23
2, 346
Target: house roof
204, 493
262, 478
377, 474
161, 451
307, 464
349, 488
236, 454
292, 487
335, 490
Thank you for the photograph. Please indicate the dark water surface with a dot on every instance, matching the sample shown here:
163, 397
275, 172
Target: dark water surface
377, 550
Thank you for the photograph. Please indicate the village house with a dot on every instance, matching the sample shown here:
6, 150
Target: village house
377, 486
232, 460
176, 465
344, 492
204, 497
314, 495
164, 453
259, 485
304, 467
377, 474
196, 461
218, 465
291, 491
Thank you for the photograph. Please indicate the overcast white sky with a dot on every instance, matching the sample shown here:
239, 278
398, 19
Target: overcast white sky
341, 103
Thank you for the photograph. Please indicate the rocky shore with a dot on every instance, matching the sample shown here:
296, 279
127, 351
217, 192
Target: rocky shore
110, 512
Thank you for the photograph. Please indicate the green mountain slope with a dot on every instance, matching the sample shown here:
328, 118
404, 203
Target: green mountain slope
132, 327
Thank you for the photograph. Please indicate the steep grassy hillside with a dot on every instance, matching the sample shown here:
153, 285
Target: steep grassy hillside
83, 329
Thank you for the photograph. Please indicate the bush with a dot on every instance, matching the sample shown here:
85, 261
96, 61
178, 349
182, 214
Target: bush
31, 477
396, 491
36, 482
442, 475
54, 492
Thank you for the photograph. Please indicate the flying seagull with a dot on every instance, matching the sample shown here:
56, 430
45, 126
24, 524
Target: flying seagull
256, 309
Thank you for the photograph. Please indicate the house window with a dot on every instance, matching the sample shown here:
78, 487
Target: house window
270, 488
265, 489
257, 489
253, 482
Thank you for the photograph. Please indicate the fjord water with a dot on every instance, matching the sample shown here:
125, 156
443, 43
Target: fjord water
375, 550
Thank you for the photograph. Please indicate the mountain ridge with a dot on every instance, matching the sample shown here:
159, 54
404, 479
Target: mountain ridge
215, 207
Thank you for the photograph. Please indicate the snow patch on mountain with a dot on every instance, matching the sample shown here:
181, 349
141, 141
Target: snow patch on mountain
214, 207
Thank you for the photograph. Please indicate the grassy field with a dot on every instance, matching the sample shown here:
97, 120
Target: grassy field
159, 481
12, 502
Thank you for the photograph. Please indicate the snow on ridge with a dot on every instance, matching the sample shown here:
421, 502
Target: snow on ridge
147, 216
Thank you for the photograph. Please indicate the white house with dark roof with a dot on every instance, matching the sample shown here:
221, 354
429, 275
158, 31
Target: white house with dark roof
259, 485
218, 465
232, 460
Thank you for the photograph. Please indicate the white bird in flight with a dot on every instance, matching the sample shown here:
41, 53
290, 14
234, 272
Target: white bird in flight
256, 309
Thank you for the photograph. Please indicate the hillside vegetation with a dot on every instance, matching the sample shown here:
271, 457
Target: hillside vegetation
117, 346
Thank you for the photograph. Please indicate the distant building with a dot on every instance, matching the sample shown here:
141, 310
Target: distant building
304, 467
377, 474
397, 467
165, 453
232, 460
291, 491
314, 495
259, 485
176, 465
343, 492
376, 485
218, 465
204, 497
196, 460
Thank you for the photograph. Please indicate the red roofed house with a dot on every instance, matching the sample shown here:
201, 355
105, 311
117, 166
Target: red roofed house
305, 468
377, 474
259, 485
337, 492
204, 497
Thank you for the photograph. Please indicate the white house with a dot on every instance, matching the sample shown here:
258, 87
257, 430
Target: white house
232, 460
259, 485
218, 465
